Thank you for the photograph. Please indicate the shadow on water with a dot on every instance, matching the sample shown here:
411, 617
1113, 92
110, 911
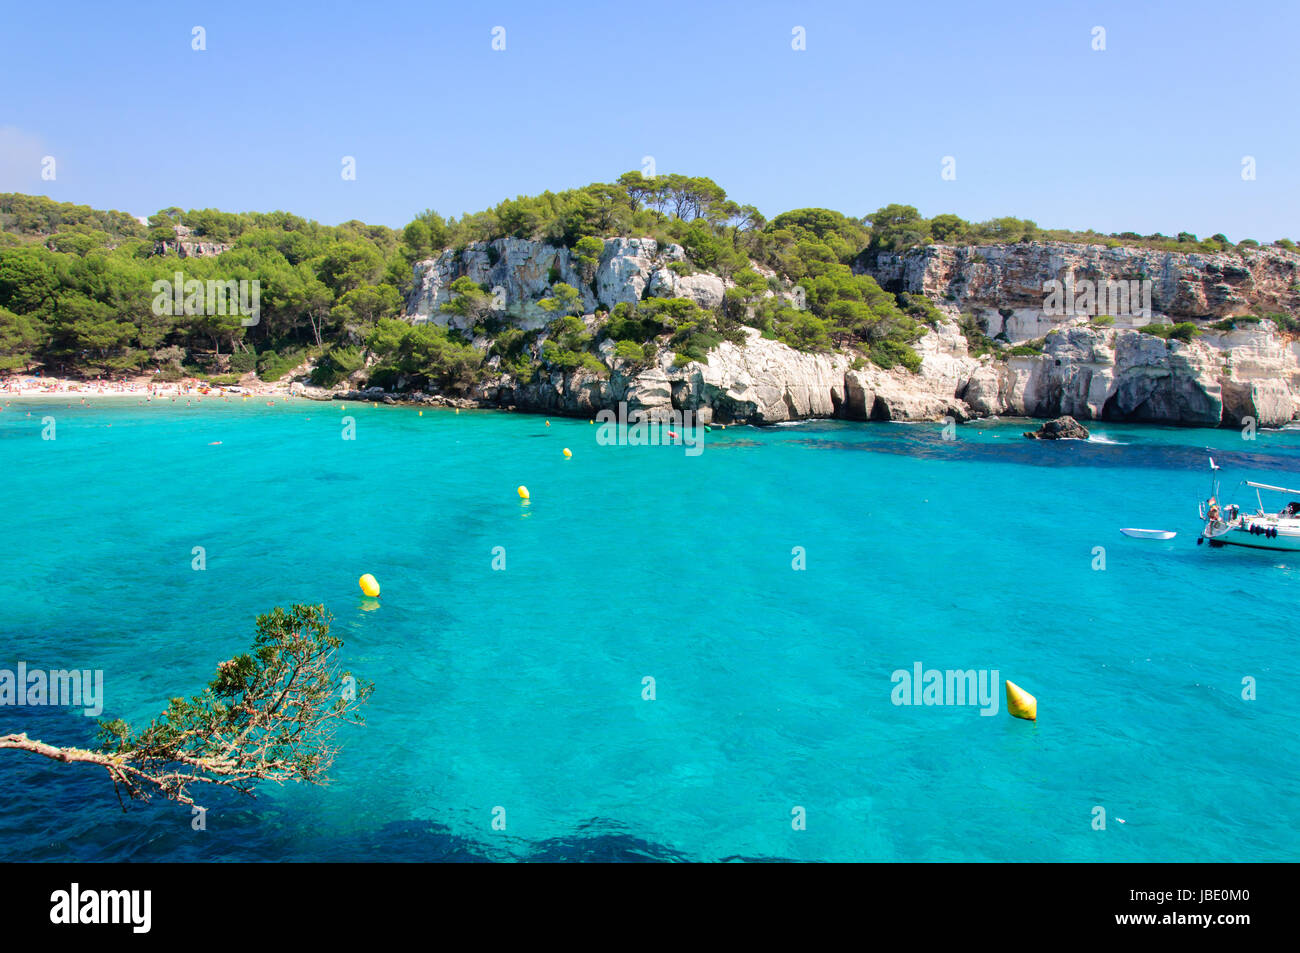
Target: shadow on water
423, 841
609, 847
70, 813
595, 841
1066, 453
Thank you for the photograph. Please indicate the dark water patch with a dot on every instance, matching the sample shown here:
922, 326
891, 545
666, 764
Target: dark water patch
741, 859
612, 847
1072, 454
404, 842
53, 724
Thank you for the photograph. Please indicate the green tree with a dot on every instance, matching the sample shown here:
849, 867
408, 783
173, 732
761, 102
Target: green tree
947, 228
350, 265
19, 339
417, 241
469, 300
269, 715
588, 249
424, 354
563, 299
359, 309
895, 227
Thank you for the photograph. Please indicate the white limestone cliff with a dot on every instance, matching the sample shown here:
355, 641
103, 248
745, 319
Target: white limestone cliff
1085, 371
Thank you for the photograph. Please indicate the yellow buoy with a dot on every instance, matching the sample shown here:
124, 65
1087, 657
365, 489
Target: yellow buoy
421, 413
369, 585
1020, 703
568, 452
523, 492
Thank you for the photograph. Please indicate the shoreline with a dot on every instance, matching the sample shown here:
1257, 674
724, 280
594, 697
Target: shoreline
24, 387
29, 386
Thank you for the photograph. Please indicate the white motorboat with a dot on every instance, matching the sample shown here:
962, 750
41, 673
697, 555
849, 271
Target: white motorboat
1231, 525
1149, 533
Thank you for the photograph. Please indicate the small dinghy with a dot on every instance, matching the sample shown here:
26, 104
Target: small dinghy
1149, 533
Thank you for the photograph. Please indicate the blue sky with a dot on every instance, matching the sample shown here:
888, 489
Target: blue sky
1147, 135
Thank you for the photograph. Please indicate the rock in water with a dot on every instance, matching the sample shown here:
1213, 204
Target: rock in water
1062, 428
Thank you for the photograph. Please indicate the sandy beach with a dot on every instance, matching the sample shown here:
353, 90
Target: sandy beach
27, 385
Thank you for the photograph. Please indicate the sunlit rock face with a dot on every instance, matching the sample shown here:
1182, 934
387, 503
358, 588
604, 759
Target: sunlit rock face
1089, 371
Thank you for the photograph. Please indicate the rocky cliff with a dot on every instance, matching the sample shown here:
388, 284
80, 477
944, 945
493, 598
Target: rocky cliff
1086, 371
1004, 284
523, 271
186, 246
1105, 374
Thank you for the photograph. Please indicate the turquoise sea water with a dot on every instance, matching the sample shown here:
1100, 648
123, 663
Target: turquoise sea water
522, 688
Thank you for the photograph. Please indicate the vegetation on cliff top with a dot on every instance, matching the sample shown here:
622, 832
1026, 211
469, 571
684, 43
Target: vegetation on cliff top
76, 284
896, 228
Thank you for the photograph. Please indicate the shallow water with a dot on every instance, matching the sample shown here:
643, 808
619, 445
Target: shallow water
522, 688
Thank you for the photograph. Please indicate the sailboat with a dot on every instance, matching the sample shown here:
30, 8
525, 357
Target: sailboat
1232, 525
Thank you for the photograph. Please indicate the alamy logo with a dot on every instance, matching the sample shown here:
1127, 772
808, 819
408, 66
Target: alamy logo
58, 687
681, 428
102, 906
932, 686
228, 296
1093, 298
